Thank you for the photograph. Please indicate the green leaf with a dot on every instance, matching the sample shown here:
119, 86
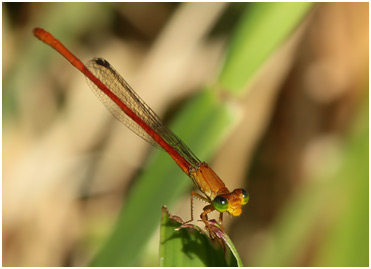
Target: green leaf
191, 247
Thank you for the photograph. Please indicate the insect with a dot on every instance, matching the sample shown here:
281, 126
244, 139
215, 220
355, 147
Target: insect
123, 102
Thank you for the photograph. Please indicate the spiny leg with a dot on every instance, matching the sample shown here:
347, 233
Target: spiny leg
199, 196
207, 209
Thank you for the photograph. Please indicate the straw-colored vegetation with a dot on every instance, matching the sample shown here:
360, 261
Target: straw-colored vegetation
273, 96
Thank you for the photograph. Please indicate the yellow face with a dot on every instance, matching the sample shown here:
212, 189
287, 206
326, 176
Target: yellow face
231, 202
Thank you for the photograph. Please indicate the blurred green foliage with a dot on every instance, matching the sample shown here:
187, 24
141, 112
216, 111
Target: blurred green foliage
262, 29
333, 207
203, 123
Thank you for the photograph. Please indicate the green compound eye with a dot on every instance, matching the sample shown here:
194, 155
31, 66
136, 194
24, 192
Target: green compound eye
220, 203
245, 196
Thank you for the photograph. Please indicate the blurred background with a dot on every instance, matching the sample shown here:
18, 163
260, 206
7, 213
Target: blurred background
293, 130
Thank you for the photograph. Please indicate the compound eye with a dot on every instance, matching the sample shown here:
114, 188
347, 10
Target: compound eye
220, 203
245, 196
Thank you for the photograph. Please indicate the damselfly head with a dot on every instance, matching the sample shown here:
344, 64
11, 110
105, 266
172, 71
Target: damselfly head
231, 202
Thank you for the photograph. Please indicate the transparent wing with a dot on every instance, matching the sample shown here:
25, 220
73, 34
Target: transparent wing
105, 72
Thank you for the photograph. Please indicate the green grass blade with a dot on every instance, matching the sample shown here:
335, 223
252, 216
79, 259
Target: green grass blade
164, 182
263, 28
202, 125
